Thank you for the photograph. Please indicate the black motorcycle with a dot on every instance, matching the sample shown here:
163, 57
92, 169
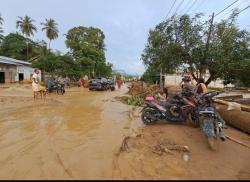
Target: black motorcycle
212, 123
57, 87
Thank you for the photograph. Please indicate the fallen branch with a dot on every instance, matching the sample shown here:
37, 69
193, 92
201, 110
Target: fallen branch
124, 146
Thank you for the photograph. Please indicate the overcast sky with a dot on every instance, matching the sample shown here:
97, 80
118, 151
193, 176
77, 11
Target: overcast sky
126, 23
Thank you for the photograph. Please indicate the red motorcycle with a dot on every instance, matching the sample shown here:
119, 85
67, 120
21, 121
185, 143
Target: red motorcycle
176, 110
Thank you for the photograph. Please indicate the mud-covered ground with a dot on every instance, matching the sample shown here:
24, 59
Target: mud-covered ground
91, 135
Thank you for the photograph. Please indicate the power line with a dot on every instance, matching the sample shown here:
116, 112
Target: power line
191, 7
234, 8
178, 7
171, 7
243, 10
223, 10
237, 14
226, 8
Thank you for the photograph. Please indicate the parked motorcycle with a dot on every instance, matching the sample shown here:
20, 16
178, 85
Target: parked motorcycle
201, 108
57, 87
212, 123
176, 111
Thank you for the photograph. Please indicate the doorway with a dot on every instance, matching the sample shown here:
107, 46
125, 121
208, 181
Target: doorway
2, 77
21, 77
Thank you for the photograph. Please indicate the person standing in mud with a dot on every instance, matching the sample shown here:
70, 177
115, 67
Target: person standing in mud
186, 86
119, 83
35, 83
201, 88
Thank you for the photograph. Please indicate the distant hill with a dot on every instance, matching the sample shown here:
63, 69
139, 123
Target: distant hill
123, 73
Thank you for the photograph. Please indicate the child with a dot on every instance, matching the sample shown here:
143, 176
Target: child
42, 90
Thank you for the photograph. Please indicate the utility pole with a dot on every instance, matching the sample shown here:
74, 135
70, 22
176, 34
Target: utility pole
161, 79
207, 44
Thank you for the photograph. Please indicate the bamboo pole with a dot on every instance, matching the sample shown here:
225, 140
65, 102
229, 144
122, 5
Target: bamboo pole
237, 141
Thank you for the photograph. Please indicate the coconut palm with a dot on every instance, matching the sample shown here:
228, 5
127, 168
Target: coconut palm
26, 26
50, 26
1, 23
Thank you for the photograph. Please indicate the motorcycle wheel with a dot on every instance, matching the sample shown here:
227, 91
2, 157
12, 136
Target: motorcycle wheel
60, 91
147, 116
209, 130
212, 143
195, 120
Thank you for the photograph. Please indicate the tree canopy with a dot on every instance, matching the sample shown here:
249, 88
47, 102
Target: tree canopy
14, 45
196, 47
50, 26
88, 48
26, 26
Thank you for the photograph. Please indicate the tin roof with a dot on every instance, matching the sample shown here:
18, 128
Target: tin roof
8, 60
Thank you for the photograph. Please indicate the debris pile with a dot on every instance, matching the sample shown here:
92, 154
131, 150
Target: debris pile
168, 147
139, 91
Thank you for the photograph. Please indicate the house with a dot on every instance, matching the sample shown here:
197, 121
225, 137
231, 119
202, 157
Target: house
176, 79
12, 70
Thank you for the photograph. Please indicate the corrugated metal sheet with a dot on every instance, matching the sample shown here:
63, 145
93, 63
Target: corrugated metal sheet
7, 60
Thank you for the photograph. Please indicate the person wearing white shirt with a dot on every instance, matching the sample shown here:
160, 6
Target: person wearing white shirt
35, 83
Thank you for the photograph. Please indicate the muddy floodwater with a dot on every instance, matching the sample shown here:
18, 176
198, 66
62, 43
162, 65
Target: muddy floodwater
74, 136
92, 135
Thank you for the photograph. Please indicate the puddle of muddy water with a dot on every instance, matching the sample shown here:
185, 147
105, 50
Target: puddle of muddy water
69, 137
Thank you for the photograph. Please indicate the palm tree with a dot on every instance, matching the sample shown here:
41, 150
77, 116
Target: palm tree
50, 26
27, 27
1, 30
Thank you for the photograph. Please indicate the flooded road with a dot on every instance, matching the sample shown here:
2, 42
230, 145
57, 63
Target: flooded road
74, 136
91, 135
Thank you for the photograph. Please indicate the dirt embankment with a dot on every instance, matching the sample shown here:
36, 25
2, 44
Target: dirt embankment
159, 152
167, 151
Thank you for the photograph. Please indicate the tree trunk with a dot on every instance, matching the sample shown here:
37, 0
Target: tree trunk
210, 79
49, 44
27, 53
194, 77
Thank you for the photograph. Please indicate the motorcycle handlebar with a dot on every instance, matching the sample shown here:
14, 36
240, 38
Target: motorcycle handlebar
212, 94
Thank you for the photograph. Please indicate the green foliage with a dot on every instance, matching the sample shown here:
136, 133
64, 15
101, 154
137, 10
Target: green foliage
50, 26
182, 41
14, 45
87, 55
87, 47
26, 26
65, 66
151, 75
1, 29
136, 101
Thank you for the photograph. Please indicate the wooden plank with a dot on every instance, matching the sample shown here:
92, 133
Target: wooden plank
230, 97
243, 107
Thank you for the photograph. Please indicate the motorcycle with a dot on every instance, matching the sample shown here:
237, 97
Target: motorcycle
212, 123
57, 87
176, 111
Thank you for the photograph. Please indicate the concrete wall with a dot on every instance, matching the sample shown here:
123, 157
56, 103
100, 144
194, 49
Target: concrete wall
175, 79
27, 72
10, 72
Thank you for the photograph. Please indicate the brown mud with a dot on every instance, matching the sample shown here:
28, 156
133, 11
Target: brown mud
91, 135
